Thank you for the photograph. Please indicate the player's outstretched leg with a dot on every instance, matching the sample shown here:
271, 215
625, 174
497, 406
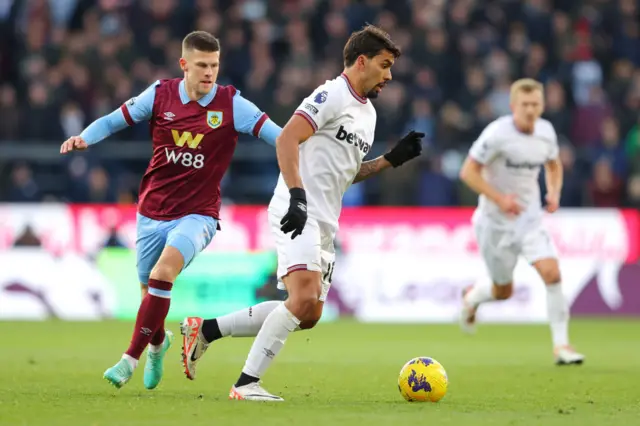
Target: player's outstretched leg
151, 315
199, 333
474, 296
500, 262
303, 305
558, 313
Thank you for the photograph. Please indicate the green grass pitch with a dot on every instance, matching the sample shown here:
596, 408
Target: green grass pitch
341, 373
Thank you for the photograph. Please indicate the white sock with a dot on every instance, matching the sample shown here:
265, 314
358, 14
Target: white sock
270, 339
480, 293
558, 314
131, 360
155, 348
246, 322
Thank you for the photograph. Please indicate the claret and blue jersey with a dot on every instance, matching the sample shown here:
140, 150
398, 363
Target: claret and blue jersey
246, 115
193, 144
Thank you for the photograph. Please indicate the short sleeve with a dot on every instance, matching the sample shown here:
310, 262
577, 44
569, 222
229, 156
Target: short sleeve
486, 148
321, 107
140, 108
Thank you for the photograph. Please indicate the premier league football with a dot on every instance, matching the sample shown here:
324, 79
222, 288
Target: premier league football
319, 212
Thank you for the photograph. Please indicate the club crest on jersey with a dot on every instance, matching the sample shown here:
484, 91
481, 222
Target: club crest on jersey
214, 119
321, 97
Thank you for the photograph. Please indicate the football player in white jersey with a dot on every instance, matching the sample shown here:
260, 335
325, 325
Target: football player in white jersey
320, 153
503, 166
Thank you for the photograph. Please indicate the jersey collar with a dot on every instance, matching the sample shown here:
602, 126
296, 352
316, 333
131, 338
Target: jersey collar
355, 94
203, 101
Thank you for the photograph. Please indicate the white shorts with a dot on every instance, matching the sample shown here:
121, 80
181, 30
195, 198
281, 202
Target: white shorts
501, 248
312, 250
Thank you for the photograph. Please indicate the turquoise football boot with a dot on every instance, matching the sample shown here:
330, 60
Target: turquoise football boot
155, 363
119, 374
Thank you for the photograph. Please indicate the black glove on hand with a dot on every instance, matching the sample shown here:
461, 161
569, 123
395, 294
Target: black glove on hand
296, 216
407, 148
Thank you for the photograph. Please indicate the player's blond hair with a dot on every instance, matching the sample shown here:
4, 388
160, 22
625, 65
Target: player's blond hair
525, 85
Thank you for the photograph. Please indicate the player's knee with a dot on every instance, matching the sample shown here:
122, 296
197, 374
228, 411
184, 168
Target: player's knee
550, 276
303, 307
304, 292
502, 292
313, 318
549, 270
164, 272
308, 324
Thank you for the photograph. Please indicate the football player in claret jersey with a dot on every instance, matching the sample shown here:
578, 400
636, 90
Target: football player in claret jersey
320, 153
194, 127
503, 167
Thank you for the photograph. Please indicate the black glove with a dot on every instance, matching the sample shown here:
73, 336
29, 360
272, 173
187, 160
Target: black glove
407, 148
296, 216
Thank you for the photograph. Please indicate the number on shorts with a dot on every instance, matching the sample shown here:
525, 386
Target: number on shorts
328, 276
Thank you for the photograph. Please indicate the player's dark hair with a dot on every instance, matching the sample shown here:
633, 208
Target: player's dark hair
202, 41
369, 41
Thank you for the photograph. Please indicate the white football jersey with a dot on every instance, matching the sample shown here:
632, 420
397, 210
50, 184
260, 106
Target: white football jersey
330, 159
512, 162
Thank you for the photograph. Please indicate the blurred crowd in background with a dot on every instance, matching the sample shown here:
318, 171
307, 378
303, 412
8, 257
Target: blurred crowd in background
64, 63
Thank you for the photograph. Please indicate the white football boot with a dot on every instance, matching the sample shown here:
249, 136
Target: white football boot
193, 345
252, 392
566, 355
467, 314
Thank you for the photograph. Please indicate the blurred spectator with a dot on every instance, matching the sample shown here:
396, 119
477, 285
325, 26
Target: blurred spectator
632, 146
425, 86
572, 187
499, 98
620, 81
436, 188
99, 188
588, 118
474, 89
556, 110
42, 120
422, 120
23, 186
611, 149
605, 188
633, 192
10, 122
454, 127
72, 120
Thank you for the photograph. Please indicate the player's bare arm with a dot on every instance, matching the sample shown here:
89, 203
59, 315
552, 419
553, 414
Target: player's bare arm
471, 174
553, 177
408, 148
371, 168
295, 132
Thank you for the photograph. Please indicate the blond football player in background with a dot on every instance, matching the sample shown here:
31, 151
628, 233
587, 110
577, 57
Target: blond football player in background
503, 166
